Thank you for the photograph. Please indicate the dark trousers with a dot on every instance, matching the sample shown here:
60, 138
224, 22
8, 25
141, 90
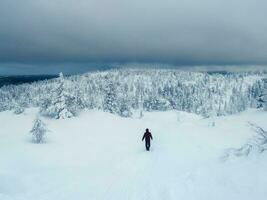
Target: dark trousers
147, 145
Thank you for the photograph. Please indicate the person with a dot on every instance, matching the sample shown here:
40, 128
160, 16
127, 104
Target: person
147, 136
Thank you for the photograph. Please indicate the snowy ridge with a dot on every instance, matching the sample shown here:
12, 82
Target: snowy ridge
124, 91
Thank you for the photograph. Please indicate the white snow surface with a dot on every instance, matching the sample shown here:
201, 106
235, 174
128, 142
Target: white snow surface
101, 156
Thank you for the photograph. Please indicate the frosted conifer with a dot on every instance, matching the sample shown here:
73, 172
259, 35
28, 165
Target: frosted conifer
38, 131
58, 107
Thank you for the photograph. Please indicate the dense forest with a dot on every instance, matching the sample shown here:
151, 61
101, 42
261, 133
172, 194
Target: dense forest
129, 91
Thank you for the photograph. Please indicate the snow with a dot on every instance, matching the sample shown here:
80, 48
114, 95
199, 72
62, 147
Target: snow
100, 156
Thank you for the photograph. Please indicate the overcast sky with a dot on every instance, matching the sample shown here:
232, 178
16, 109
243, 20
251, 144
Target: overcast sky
45, 36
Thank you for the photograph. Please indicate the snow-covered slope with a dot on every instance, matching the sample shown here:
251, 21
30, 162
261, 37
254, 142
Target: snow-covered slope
100, 156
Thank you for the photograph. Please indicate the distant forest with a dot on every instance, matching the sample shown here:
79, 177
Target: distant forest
16, 80
130, 91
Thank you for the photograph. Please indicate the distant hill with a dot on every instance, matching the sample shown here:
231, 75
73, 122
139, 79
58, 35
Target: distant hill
16, 80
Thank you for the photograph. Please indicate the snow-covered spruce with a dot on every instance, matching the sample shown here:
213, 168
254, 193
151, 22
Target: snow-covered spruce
38, 131
18, 109
124, 91
58, 105
262, 98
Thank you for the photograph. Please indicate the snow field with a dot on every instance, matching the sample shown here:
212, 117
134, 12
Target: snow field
101, 156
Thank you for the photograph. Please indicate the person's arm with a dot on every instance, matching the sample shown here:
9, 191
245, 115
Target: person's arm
151, 136
143, 137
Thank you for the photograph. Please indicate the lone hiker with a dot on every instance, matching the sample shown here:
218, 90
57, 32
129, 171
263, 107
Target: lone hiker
147, 136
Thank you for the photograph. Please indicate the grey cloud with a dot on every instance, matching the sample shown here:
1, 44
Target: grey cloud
179, 32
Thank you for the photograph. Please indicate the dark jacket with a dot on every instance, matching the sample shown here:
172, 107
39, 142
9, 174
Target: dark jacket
147, 136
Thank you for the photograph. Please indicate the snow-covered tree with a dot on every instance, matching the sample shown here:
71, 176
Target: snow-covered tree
18, 108
110, 103
262, 98
124, 109
38, 131
59, 106
139, 98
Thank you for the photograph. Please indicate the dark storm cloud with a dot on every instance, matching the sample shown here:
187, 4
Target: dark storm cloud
179, 32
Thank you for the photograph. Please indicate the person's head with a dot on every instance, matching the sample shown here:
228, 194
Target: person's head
147, 130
